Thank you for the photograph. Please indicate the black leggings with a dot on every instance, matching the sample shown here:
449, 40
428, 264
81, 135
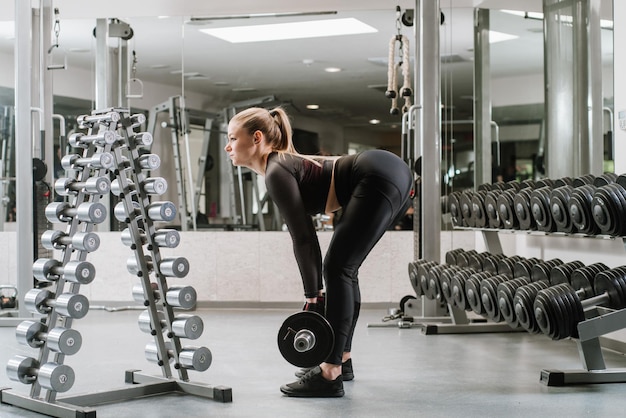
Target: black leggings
379, 195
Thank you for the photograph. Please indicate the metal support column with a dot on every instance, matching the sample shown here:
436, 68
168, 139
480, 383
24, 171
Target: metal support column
24, 155
482, 102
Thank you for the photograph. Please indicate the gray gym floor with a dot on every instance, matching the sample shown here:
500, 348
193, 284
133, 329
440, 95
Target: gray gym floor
399, 372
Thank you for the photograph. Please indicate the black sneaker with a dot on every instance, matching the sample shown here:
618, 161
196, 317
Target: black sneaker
347, 373
313, 385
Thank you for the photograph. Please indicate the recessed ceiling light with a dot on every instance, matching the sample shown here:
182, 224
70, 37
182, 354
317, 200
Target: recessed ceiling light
312, 106
80, 50
332, 69
243, 89
198, 77
374, 121
159, 66
292, 30
221, 83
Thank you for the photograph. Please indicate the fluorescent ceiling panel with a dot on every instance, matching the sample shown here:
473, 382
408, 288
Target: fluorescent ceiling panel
500, 36
293, 30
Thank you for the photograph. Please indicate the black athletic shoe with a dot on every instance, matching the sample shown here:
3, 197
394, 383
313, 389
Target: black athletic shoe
313, 385
347, 373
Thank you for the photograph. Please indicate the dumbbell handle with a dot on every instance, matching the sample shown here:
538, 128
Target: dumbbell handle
595, 300
106, 117
304, 340
93, 185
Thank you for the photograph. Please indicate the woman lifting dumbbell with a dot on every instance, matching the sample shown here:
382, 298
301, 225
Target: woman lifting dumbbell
372, 188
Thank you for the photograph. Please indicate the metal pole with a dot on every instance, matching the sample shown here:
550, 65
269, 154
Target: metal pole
482, 107
431, 133
23, 148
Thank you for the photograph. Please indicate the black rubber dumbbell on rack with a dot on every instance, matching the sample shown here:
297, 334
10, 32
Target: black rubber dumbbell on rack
445, 283
506, 209
59, 339
559, 203
183, 325
70, 305
51, 376
559, 309
491, 209
505, 293
489, 296
451, 256
490, 263
507, 265
435, 279
608, 207
543, 269
580, 209
472, 292
563, 273
416, 270
540, 209
190, 358
454, 209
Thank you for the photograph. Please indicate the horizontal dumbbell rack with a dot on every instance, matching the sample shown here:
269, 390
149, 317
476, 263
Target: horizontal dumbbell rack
111, 131
599, 322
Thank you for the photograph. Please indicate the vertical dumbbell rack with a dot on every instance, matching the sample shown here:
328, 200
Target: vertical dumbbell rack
110, 147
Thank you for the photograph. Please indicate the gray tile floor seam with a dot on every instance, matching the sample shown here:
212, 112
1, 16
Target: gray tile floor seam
399, 372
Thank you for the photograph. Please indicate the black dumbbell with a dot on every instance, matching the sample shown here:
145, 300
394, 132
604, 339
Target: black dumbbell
521, 205
490, 263
523, 305
415, 272
491, 209
441, 281
582, 180
59, 339
608, 207
458, 288
506, 209
90, 212
190, 358
507, 265
559, 204
560, 308
580, 210
454, 209
446, 283
563, 272
543, 269
183, 325
66, 186
52, 376
523, 267
465, 200
75, 271
463, 259
58, 240
472, 292
81, 140
305, 339
604, 179
98, 160
505, 293
489, 296
168, 238
451, 256
70, 305
540, 209
584, 277
479, 213
431, 282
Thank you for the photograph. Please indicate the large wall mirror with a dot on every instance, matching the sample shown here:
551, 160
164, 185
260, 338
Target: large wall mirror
185, 63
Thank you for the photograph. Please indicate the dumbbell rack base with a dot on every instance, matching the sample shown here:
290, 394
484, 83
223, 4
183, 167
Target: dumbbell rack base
81, 406
590, 351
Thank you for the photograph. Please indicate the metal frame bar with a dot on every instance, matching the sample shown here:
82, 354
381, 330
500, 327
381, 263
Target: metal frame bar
81, 406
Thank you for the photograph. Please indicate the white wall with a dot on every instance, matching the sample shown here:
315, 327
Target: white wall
619, 57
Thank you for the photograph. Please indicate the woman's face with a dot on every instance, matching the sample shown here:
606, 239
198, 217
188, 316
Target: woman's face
240, 146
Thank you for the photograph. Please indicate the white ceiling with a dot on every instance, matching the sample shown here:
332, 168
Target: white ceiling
351, 97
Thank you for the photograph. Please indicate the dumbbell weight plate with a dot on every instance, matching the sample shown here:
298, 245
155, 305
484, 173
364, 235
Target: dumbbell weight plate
174, 267
26, 333
64, 340
181, 297
188, 326
195, 358
72, 305
310, 323
56, 377
162, 211
21, 369
614, 285
414, 279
